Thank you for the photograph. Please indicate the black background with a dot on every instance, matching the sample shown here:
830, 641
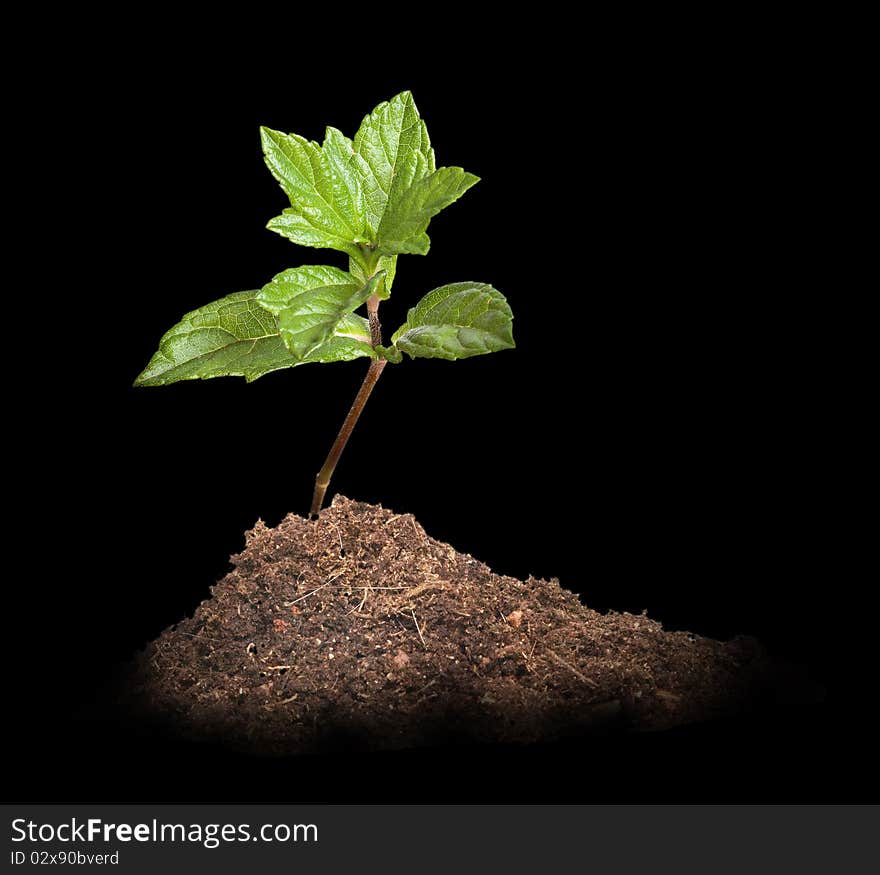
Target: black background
646, 204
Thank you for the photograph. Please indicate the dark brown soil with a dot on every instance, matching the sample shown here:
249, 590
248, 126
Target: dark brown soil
360, 629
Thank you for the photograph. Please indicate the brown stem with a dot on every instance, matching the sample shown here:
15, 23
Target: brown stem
373, 315
322, 481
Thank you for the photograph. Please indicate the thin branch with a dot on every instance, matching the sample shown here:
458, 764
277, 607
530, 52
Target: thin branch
578, 674
418, 629
373, 316
322, 480
288, 604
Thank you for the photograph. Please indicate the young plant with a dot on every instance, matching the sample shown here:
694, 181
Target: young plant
370, 198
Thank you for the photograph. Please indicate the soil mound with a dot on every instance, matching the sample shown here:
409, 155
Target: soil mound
357, 629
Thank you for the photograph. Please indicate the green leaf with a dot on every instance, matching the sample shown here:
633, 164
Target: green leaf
338, 156
235, 336
391, 353
388, 263
309, 301
406, 218
351, 340
327, 203
393, 151
353, 327
456, 322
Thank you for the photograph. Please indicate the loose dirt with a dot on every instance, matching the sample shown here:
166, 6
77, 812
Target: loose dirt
358, 629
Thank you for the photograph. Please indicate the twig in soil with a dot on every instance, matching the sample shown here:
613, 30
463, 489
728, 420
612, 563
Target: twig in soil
155, 660
407, 518
276, 667
560, 661
338, 535
288, 604
199, 637
426, 687
270, 705
367, 590
418, 629
413, 591
528, 656
358, 609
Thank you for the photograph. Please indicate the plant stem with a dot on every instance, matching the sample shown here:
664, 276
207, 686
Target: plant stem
322, 481
373, 315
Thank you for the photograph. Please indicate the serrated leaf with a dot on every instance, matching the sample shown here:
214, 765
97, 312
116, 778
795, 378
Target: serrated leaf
327, 207
308, 303
338, 156
388, 263
235, 336
406, 217
393, 151
457, 321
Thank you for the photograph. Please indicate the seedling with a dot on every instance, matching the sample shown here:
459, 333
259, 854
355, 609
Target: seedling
371, 198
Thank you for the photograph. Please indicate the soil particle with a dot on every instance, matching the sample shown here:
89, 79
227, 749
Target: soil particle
357, 629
